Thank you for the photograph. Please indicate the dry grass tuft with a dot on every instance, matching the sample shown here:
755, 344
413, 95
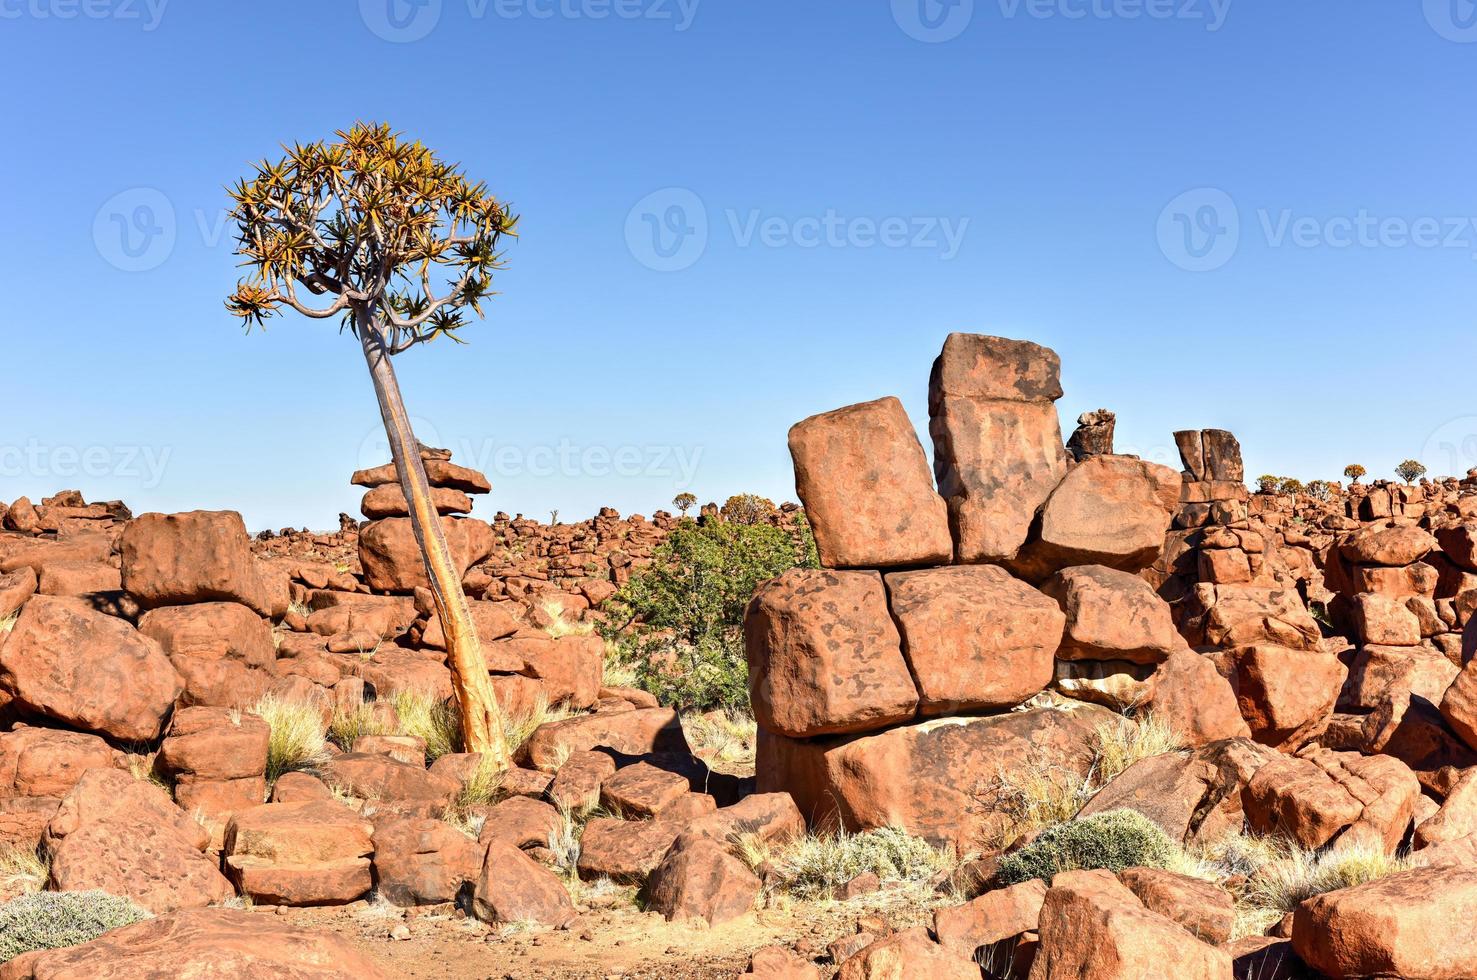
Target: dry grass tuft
22, 870
297, 741
1124, 741
430, 719
1036, 797
357, 722
559, 626
723, 736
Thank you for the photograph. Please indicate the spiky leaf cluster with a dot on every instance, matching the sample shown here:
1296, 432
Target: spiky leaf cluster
378, 223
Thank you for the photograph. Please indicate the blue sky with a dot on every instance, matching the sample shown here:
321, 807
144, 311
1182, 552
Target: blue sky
1248, 214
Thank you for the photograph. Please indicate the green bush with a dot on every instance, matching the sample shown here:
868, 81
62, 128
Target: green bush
1113, 841
53, 920
679, 620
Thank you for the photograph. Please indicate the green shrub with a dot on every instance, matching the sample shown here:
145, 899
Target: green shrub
53, 920
1113, 841
679, 621
1410, 470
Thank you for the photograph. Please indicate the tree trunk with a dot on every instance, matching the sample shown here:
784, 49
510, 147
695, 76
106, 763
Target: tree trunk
481, 720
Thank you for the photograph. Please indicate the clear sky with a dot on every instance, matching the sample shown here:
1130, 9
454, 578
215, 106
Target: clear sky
1250, 214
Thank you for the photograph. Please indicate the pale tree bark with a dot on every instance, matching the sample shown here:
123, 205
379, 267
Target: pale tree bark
481, 719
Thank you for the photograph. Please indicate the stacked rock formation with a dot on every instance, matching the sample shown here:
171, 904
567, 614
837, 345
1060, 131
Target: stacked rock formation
883, 682
388, 551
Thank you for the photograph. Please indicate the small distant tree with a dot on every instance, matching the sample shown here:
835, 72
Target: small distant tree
553, 517
1290, 486
1410, 470
1354, 472
367, 222
1320, 490
1267, 483
684, 502
746, 508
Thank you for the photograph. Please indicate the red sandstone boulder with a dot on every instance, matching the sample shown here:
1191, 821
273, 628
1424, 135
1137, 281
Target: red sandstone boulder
65, 662
1458, 705
218, 759
625, 851
967, 930
439, 472
222, 944
522, 822
576, 786
641, 732
1093, 928
423, 862
1384, 620
1206, 910
78, 578
1323, 795
862, 476
938, 779
392, 560
23, 821
49, 762
1193, 699
15, 588
642, 790
700, 879
1388, 546
371, 776
825, 656
200, 556
513, 888
997, 439
974, 636
1457, 817
126, 837
1108, 510
389, 501
1406, 925
569, 669
907, 955
1247, 615
1286, 696
314, 853
494, 621
1112, 615
778, 963
211, 631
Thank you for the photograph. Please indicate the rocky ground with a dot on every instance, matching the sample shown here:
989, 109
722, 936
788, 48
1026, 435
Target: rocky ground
1044, 710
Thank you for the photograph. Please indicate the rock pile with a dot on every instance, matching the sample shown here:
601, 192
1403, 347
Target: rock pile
883, 682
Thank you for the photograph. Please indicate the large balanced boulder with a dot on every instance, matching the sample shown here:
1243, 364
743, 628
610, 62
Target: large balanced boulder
514, 888
939, 779
1108, 510
825, 656
1410, 924
1092, 927
200, 556
392, 560
1112, 615
974, 636
126, 837
68, 663
218, 760
1286, 696
223, 944
997, 439
862, 476
425, 861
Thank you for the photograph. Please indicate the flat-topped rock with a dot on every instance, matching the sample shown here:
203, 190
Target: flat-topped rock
439, 472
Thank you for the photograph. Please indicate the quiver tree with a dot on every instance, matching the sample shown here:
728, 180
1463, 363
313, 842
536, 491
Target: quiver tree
1410, 470
399, 247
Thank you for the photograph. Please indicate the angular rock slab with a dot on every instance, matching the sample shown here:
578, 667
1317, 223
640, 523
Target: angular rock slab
997, 440
864, 480
975, 636
825, 656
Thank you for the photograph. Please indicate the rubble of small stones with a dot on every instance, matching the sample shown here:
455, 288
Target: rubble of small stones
983, 615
